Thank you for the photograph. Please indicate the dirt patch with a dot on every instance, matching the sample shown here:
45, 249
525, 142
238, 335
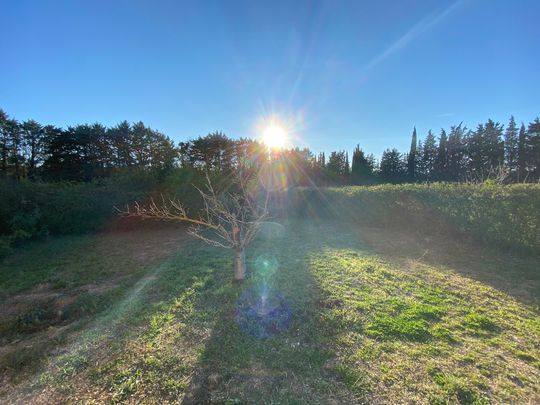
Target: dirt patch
145, 245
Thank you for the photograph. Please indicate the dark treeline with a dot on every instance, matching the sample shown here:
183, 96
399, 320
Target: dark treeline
30, 150
490, 151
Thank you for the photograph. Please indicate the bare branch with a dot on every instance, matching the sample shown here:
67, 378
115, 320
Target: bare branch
234, 218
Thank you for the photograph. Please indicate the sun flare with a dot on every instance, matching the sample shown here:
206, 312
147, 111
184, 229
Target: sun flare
274, 137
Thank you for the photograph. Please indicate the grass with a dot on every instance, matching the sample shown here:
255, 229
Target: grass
378, 316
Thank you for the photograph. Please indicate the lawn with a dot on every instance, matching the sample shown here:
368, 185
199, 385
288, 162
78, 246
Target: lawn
376, 316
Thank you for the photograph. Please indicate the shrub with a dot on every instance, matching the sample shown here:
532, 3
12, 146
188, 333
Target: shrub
35, 209
503, 215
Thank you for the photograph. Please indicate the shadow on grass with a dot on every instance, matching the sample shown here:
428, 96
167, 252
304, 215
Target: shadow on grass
174, 333
412, 232
296, 365
511, 273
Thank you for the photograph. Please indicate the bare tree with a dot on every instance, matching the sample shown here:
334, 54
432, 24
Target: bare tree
229, 220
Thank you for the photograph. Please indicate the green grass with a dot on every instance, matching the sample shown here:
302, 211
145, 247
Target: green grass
378, 316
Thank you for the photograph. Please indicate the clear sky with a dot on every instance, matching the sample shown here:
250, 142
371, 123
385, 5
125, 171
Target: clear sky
337, 73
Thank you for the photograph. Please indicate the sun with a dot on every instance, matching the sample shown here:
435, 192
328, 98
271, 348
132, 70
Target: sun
274, 137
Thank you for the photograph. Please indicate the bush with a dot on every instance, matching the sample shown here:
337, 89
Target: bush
36, 209
503, 215
5, 247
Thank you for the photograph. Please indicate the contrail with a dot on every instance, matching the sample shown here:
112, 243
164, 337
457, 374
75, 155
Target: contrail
418, 29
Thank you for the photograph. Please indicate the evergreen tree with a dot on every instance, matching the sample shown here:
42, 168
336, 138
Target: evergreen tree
420, 170
455, 169
15, 148
429, 156
475, 153
392, 167
441, 161
4, 142
33, 140
412, 158
337, 163
494, 145
63, 156
121, 138
522, 154
533, 149
511, 147
362, 167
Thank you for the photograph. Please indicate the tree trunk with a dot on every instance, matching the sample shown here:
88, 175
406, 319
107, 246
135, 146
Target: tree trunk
239, 265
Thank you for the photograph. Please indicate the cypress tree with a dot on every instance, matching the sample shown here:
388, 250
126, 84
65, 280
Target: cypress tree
533, 149
441, 162
412, 158
522, 154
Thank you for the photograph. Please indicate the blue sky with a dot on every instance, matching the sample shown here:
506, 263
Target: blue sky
337, 73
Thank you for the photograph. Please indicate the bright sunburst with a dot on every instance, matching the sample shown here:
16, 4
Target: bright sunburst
274, 137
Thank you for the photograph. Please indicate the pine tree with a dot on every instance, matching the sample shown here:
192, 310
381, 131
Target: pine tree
33, 138
362, 166
15, 147
455, 169
475, 153
337, 163
412, 158
533, 149
493, 146
522, 154
441, 162
320, 161
429, 156
4, 142
511, 147
392, 167
420, 170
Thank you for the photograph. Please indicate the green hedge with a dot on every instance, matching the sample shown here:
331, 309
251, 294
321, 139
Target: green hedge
505, 215
36, 209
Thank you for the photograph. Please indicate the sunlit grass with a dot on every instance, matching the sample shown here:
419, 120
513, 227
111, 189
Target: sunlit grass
367, 326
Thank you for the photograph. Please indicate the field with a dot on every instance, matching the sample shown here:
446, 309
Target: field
377, 315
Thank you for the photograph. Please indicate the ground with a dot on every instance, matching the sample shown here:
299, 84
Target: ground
376, 316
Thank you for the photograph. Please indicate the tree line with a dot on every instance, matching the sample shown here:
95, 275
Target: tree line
489, 151
30, 150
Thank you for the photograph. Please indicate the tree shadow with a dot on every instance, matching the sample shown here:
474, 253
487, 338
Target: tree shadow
295, 365
512, 273
303, 363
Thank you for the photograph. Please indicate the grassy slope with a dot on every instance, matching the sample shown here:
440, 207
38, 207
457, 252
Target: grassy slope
378, 316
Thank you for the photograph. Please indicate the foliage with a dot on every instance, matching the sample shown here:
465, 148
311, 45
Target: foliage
86, 152
504, 215
34, 209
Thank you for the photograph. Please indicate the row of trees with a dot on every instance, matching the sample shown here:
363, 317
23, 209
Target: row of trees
460, 154
85, 152
491, 151
81, 153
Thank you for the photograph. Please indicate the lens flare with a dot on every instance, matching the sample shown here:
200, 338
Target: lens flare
263, 312
274, 137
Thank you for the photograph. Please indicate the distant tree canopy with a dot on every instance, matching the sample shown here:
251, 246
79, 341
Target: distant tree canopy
30, 150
